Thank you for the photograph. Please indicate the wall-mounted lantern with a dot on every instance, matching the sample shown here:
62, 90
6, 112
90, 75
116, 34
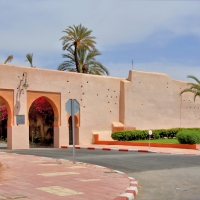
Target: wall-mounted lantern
24, 80
25, 85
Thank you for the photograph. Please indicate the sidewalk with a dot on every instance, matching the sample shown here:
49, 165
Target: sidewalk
40, 178
26, 177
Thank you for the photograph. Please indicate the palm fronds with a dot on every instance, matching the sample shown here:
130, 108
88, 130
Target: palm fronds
194, 87
87, 62
78, 37
29, 59
8, 59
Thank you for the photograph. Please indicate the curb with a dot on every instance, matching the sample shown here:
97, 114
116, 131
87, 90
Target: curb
127, 150
131, 191
108, 149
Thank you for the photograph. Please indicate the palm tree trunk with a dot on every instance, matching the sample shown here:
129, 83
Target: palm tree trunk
76, 58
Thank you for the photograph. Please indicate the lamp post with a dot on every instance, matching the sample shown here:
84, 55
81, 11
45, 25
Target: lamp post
25, 84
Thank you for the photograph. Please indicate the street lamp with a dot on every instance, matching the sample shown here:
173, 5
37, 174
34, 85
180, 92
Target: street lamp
25, 84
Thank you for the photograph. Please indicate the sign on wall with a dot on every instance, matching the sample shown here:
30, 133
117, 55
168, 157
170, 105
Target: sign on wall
20, 119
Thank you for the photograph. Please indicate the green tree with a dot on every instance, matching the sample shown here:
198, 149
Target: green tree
78, 37
8, 59
29, 59
194, 87
87, 62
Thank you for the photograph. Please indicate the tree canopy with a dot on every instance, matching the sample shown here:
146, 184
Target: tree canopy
42, 108
81, 47
194, 87
87, 62
8, 59
29, 59
3, 112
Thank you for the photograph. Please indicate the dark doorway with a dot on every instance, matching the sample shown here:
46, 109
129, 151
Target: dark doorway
41, 123
70, 131
3, 121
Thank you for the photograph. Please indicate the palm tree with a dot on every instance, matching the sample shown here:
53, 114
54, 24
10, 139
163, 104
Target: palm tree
29, 59
8, 59
194, 87
77, 37
87, 62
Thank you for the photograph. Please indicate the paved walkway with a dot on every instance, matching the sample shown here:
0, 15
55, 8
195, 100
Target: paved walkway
39, 178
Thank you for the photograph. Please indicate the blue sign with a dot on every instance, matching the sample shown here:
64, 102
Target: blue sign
68, 106
20, 119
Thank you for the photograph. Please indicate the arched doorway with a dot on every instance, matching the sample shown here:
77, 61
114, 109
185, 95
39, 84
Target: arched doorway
3, 120
76, 130
41, 123
70, 131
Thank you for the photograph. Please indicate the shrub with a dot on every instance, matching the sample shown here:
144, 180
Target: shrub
171, 133
47, 141
119, 135
130, 135
189, 136
157, 133
36, 139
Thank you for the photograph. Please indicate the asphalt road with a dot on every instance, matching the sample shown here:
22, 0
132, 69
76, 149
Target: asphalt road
160, 176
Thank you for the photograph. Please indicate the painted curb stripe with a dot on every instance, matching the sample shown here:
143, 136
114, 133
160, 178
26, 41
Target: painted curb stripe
143, 151
133, 190
132, 150
125, 196
123, 149
106, 149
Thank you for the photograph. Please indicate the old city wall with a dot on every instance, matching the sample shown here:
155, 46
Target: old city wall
143, 100
98, 98
153, 100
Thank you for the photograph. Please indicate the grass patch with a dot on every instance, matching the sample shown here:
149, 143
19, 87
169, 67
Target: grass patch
164, 141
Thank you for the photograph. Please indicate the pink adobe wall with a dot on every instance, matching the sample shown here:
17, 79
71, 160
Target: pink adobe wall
143, 100
153, 100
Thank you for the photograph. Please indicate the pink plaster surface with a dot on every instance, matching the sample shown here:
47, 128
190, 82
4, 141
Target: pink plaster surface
143, 101
18, 137
19, 179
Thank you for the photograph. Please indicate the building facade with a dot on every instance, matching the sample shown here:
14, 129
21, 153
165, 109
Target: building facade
142, 101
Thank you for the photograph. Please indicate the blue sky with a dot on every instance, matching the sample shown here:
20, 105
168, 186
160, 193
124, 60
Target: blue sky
159, 36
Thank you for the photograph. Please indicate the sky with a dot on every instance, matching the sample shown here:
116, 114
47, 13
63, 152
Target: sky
161, 36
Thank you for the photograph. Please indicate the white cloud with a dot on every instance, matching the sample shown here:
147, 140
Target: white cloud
37, 25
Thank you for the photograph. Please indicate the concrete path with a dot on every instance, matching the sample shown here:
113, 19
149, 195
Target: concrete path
34, 177
40, 178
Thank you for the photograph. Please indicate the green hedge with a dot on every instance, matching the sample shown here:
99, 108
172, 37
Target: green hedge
143, 134
189, 136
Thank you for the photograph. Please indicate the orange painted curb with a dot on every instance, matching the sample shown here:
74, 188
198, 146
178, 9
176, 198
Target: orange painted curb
64, 147
91, 148
143, 151
181, 146
107, 149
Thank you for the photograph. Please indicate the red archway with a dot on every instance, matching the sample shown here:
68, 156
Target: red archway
3, 120
41, 122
